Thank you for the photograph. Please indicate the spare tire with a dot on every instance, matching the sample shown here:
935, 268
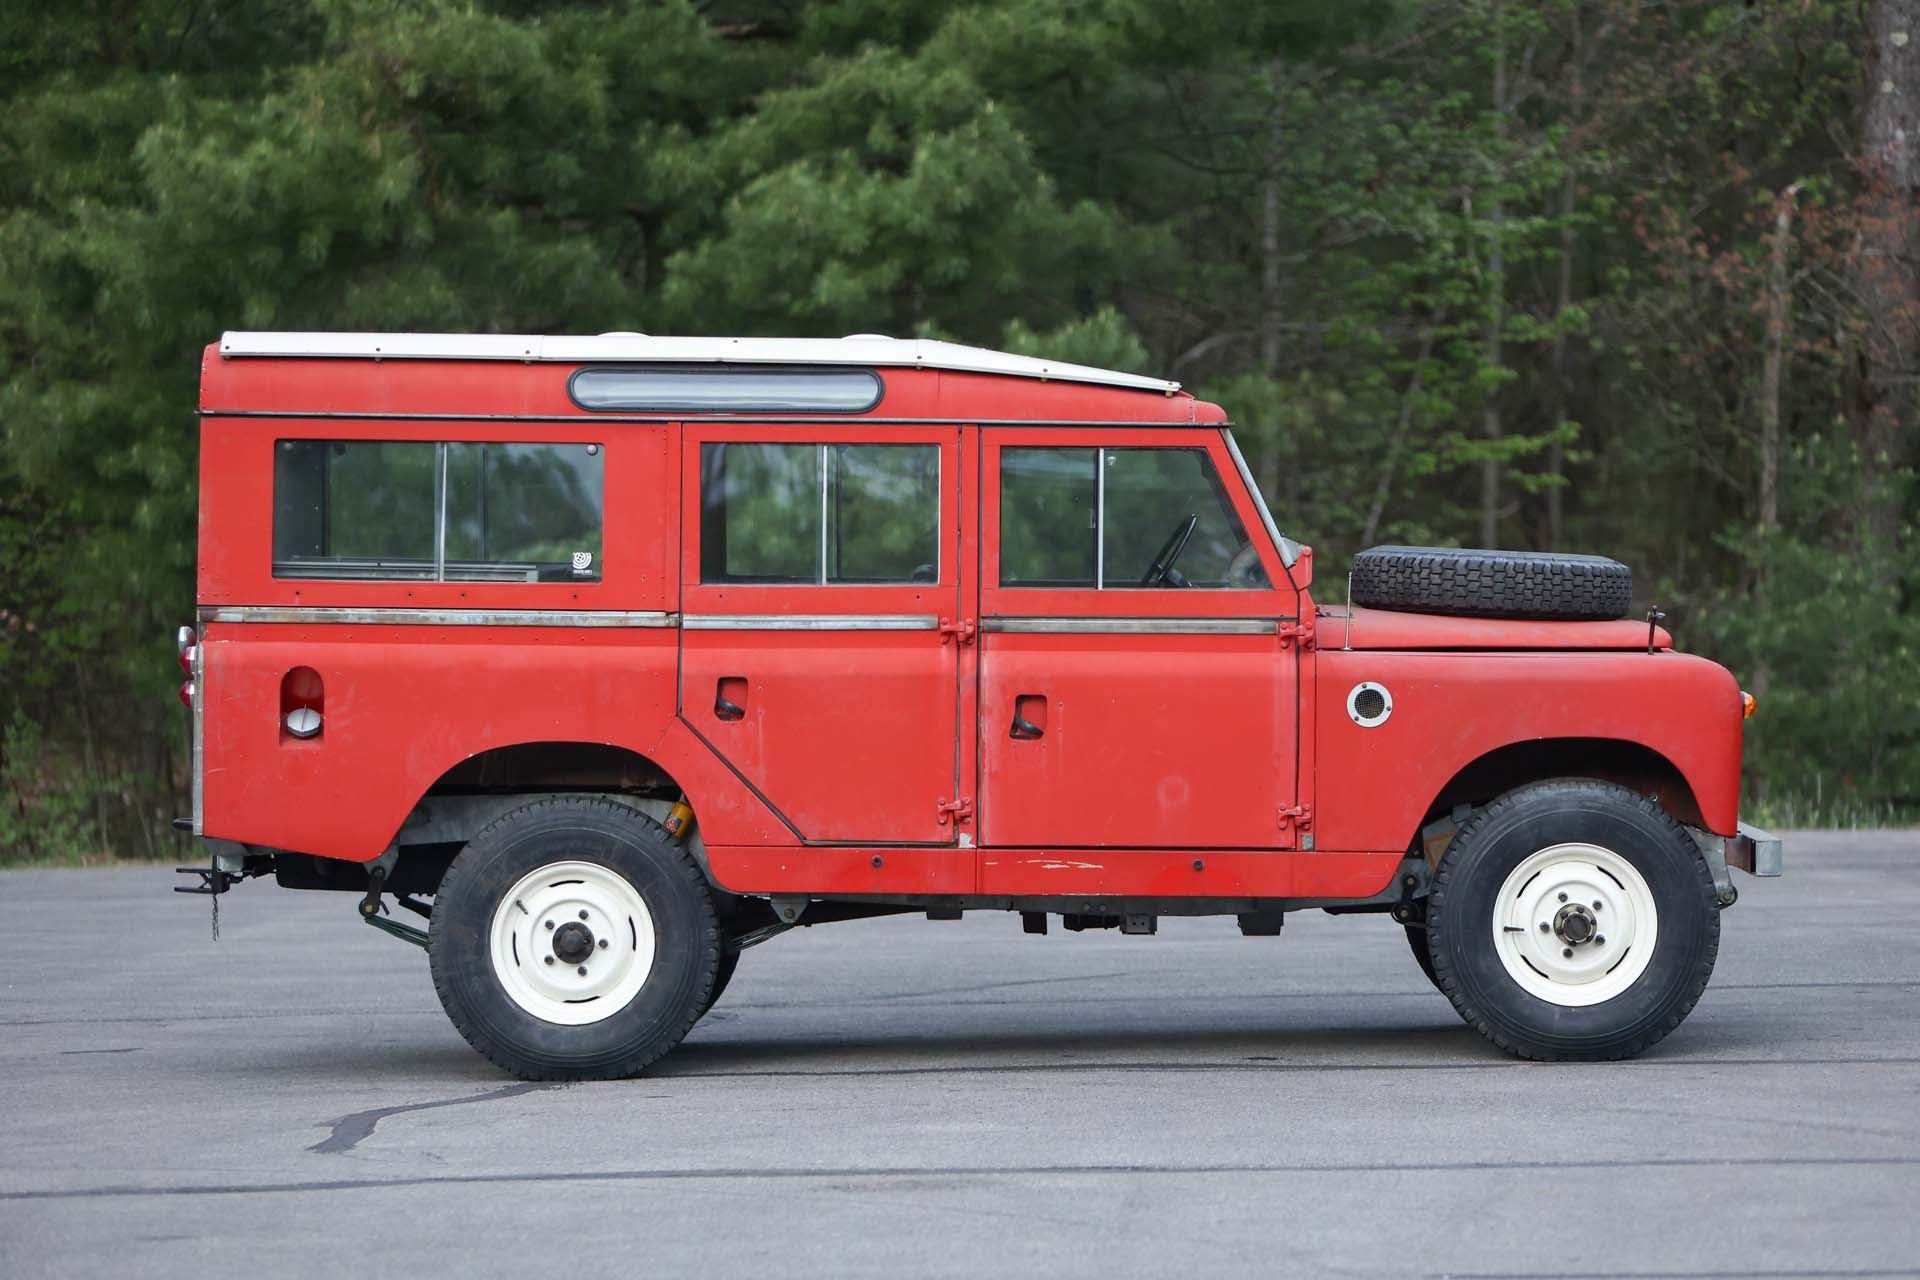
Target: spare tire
1491, 584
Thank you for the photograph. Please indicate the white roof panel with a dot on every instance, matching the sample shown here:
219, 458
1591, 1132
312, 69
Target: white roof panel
863, 349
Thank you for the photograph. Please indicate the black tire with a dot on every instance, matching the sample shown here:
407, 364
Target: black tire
1491, 584
1417, 942
679, 981
1461, 916
729, 961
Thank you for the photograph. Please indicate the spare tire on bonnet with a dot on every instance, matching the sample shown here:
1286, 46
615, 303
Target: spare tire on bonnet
1491, 584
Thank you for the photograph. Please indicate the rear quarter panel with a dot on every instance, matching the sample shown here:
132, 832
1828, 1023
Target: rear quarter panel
1374, 786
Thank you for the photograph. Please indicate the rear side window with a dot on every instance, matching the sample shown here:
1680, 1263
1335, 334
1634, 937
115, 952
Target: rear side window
430, 511
1111, 518
819, 514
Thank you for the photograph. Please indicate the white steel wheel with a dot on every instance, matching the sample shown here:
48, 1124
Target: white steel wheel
572, 943
1575, 924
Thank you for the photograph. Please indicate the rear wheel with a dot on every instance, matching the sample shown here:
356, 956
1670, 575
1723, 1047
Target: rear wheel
1573, 920
573, 939
1417, 942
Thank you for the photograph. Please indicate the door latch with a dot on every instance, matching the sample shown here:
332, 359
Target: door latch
1294, 823
960, 810
961, 632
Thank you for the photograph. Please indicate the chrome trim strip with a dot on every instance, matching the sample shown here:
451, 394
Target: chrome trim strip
199, 677
1134, 626
383, 617
810, 622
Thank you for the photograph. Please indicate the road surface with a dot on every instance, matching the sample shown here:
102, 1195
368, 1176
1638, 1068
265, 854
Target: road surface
909, 1097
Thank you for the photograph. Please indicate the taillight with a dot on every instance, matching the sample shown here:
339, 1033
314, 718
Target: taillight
188, 645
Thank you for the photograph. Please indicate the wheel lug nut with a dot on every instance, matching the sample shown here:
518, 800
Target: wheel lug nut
1545, 927
603, 944
1563, 897
1596, 904
549, 959
1567, 952
583, 915
582, 970
1599, 940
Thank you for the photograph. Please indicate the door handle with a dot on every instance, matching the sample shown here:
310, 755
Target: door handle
1029, 717
725, 690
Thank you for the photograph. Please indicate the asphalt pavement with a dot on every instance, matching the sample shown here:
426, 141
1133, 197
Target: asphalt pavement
905, 1097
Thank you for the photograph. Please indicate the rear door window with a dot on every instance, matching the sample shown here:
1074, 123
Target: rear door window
819, 514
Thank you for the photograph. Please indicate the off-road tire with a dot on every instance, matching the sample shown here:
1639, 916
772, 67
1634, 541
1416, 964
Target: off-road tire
687, 944
1417, 943
1491, 584
1461, 914
729, 961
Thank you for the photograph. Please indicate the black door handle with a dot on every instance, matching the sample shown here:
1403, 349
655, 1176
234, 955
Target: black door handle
1024, 729
724, 707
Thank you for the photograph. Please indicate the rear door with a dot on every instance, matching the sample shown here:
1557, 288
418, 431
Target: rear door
819, 565
1136, 688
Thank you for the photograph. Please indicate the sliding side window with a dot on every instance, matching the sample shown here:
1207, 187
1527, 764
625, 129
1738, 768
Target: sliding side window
430, 511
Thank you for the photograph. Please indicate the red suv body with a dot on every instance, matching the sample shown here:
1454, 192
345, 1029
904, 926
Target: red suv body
903, 625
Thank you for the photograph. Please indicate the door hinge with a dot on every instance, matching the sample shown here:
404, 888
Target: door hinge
962, 632
1294, 823
1300, 631
960, 810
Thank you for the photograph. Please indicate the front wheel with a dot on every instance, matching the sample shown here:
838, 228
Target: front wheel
1573, 920
572, 939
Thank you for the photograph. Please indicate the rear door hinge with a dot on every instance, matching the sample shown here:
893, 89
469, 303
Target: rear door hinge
961, 632
1301, 631
1295, 821
960, 810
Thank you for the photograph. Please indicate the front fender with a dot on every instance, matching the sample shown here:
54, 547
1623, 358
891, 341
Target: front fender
1373, 786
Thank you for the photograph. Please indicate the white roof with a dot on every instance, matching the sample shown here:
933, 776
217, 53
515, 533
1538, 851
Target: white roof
871, 350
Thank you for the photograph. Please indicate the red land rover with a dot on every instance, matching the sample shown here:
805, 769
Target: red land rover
613, 656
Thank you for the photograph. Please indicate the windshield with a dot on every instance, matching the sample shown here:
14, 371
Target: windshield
1289, 549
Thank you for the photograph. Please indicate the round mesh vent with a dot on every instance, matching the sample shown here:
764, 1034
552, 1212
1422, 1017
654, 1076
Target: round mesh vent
1369, 704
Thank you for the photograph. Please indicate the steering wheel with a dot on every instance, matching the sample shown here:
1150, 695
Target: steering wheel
1156, 574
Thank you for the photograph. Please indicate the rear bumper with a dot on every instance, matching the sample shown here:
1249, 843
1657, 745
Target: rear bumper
1756, 852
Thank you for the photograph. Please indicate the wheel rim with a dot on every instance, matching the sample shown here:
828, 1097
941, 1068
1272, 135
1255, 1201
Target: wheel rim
1575, 924
572, 943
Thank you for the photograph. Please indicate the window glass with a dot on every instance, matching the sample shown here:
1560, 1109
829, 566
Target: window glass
759, 512
1119, 518
819, 514
883, 513
1047, 532
435, 511
716, 389
1151, 496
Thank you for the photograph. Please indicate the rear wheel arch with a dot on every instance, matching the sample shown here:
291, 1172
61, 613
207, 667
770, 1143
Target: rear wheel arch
477, 791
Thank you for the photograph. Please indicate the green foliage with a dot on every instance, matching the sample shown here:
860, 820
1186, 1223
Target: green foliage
1348, 224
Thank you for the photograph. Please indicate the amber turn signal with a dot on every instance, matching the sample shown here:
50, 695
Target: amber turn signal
1747, 704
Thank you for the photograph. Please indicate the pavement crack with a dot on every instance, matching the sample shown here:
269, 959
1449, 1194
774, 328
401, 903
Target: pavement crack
350, 1130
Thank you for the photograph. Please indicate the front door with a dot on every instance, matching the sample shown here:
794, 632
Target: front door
820, 565
1137, 689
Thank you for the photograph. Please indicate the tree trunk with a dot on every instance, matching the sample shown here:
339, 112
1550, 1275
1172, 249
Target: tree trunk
1773, 359
1270, 268
1883, 410
1563, 291
1490, 426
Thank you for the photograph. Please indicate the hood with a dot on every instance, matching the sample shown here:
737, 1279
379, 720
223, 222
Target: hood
1356, 627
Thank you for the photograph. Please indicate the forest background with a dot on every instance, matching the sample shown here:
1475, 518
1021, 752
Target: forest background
1632, 277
